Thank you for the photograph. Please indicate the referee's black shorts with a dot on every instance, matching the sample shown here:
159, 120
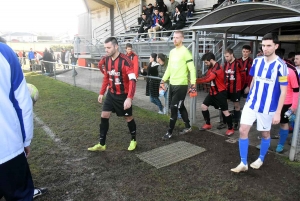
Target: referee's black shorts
219, 101
15, 179
178, 94
115, 103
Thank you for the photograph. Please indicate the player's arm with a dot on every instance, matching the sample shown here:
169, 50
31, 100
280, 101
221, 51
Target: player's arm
100, 64
191, 67
21, 99
167, 73
135, 62
132, 80
207, 78
283, 90
295, 87
105, 82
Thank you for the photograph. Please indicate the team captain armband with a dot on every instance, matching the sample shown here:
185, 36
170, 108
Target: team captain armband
131, 76
283, 80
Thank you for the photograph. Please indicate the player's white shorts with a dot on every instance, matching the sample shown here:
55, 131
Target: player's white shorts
264, 121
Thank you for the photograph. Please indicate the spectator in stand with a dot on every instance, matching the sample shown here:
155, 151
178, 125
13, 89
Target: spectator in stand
190, 8
134, 59
183, 5
217, 94
165, 22
150, 8
215, 6
234, 80
290, 102
147, 13
246, 61
155, 6
179, 19
155, 25
145, 25
173, 6
62, 56
152, 87
31, 58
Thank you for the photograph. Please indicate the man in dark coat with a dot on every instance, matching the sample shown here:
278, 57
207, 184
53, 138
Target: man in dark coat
145, 25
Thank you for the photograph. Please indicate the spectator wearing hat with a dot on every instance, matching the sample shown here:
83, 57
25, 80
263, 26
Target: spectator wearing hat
146, 11
150, 8
155, 25
145, 25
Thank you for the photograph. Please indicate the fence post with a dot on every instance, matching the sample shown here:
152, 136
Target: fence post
74, 79
195, 58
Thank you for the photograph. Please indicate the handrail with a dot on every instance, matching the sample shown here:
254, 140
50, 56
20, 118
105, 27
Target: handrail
106, 26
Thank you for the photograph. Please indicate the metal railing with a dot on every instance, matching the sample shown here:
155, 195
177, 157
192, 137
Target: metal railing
129, 17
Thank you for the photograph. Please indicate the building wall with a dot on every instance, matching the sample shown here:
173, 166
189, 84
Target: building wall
21, 38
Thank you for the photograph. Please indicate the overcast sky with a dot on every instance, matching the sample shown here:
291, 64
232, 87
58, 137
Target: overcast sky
50, 16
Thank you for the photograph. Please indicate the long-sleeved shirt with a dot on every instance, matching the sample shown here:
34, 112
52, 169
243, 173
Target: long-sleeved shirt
234, 76
31, 55
215, 76
135, 62
16, 115
119, 76
247, 63
180, 64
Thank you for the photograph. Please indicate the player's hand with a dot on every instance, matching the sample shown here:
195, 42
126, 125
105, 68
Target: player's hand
246, 90
192, 91
100, 98
276, 118
27, 151
293, 110
127, 103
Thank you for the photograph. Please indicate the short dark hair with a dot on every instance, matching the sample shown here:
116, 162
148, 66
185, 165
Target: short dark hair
128, 45
247, 47
271, 36
297, 53
2, 40
280, 52
229, 50
208, 56
113, 40
291, 54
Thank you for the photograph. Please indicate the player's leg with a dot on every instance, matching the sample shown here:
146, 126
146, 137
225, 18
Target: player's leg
284, 128
15, 179
205, 112
264, 123
247, 119
132, 129
220, 102
107, 108
237, 109
181, 94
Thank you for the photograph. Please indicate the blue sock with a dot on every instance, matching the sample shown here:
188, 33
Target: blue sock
243, 144
264, 146
283, 135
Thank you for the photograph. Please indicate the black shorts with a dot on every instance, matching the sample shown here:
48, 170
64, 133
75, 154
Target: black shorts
115, 103
284, 120
177, 94
15, 179
234, 97
219, 101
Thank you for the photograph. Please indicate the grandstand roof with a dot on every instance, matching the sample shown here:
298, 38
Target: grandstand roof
254, 19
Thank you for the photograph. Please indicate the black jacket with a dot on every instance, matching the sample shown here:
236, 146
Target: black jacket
152, 87
167, 24
181, 18
146, 23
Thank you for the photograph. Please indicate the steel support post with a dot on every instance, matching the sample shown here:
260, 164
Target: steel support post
224, 46
120, 15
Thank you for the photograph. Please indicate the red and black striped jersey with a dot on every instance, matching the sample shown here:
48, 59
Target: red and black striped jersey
234, 76
247, 63
101, 64
215, 76
135, 62
119, 76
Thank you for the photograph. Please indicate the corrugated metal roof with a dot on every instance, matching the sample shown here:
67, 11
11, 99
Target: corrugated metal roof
251, 19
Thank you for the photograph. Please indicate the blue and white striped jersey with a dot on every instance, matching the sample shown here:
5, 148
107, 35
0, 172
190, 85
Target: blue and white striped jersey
267, 78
